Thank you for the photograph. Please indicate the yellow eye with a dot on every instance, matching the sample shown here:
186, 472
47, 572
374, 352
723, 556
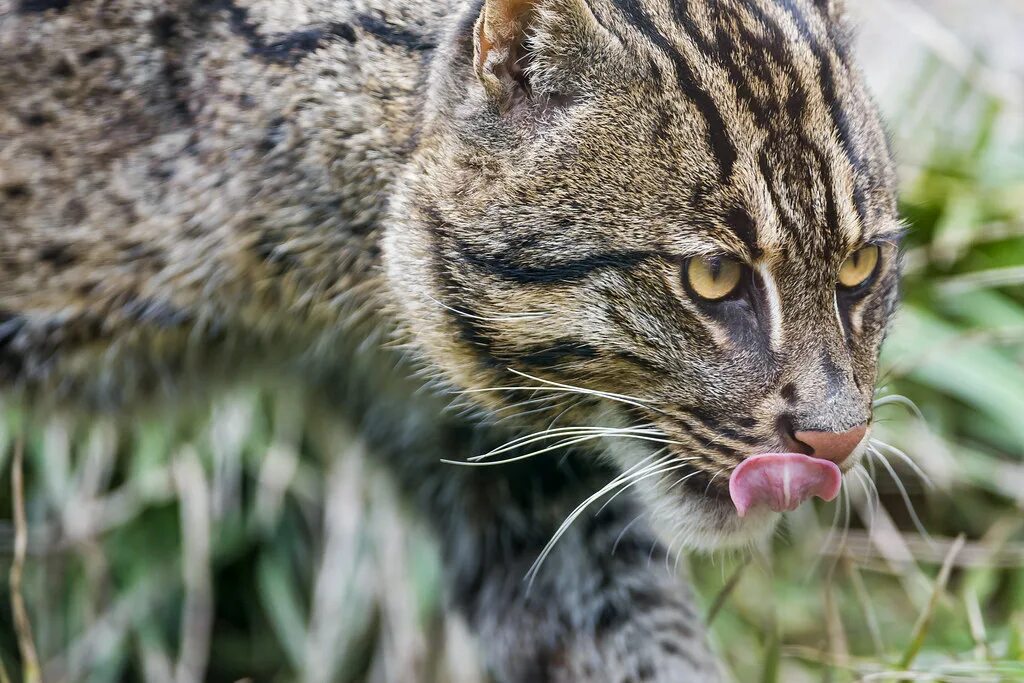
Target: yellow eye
859, 267
713, 277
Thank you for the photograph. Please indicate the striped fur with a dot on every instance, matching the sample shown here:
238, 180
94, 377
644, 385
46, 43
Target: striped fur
197, 191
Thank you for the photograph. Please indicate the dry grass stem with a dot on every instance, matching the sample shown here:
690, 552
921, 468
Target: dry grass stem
920, 631
975, 555
22, 624
727, 589
197, 612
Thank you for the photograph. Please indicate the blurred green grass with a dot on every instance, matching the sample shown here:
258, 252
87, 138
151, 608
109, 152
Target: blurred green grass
251, 539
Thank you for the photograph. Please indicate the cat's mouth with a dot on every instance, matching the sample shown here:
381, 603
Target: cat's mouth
777, 479
782, 482
779, 482
706, 504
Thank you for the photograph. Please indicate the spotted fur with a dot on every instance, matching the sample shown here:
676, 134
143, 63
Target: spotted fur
197, 191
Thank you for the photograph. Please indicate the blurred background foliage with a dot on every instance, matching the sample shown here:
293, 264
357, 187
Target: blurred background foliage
250, 538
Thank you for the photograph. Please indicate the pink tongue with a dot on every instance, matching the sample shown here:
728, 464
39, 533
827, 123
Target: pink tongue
782, 481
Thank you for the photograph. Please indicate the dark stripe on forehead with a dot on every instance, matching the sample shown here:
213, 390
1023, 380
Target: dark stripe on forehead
742, 225
718, 137
723, 48
768, 173
796, 106
774, 44
819, 242
763, 112
827, 81
509, 269
831, 206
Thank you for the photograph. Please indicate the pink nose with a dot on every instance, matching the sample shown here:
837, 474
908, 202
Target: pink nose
834, 446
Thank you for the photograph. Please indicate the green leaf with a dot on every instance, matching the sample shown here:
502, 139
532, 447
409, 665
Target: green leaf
282, 605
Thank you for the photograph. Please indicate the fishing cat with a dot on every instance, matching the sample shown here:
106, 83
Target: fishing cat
658, 236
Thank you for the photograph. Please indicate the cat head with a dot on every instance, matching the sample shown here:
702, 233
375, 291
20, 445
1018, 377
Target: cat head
675, 220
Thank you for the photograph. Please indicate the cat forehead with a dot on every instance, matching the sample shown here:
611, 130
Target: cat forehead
742, 123
755, 112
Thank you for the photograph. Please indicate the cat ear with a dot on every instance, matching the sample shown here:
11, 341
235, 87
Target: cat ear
540, 51
501, 54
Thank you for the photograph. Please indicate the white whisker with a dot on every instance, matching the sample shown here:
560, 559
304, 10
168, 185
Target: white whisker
476, 461
561, 444
501, 318
872, 500
899, 399
903, 492
652, 470
626, 487
560, 390
544, 404
625, 530
679, 553
566, 431
827, 543
905, 458
712, 479
623, 398
542, 400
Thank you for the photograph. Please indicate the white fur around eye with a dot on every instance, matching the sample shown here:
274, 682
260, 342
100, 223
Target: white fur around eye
774, 305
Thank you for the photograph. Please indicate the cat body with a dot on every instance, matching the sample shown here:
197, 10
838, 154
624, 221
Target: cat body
516, 199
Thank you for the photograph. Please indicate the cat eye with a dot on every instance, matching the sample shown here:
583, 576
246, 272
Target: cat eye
713, 277
859, 268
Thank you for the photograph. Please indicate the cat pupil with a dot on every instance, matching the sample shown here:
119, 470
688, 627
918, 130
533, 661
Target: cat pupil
715, 268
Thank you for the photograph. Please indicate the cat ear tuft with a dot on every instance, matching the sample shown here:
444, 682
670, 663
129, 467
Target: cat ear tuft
501, 54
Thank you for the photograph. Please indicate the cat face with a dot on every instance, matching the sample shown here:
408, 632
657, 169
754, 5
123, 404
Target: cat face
672, 219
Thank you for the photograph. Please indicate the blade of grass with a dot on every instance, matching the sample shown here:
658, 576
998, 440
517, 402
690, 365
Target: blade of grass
281, 604
772, 655
727, 589
977, 624
866, 605
197, 610
838, 643
22, 624
924, 621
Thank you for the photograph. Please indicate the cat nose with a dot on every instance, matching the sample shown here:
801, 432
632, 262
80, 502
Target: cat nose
834, 446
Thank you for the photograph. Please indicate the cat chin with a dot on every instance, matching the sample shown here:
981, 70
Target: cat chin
686, 519
705, 524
